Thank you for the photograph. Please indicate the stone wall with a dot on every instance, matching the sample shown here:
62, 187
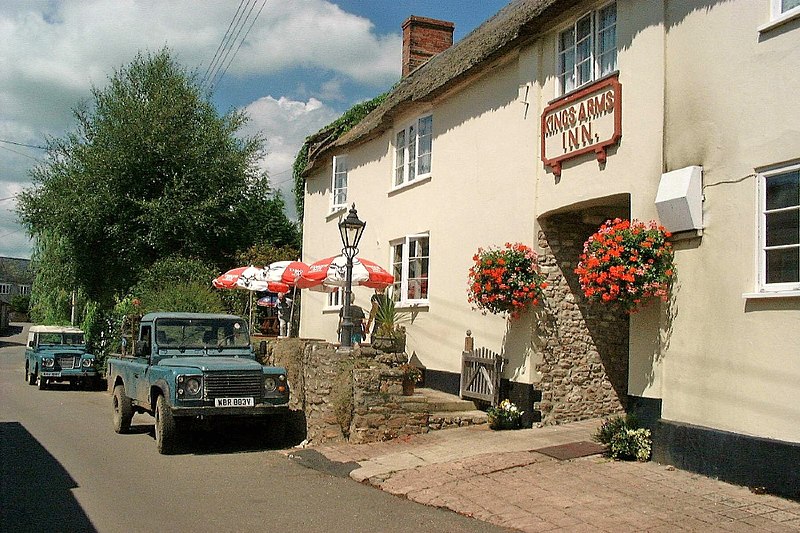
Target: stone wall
380, 411
584, 359
341, 395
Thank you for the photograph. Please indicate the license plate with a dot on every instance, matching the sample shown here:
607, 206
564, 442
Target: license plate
234, 402
51, 374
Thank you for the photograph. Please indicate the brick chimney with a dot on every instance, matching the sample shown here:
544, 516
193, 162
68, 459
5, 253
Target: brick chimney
423, 38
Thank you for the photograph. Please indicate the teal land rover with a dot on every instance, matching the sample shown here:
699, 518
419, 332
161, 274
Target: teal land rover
57, 354
194, 367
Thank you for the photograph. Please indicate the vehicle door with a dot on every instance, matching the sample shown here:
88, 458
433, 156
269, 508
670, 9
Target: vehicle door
142, 365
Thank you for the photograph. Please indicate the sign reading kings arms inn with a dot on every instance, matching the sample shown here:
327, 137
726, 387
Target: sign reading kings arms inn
587, 121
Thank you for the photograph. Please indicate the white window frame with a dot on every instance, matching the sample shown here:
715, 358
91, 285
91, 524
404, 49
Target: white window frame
5, 288
595, 54
779, 12
409, 156
334, 300
338, 191
24, 289
763, 286
400, 290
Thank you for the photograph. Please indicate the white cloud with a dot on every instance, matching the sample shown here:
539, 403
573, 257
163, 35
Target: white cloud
52, 53
285, 124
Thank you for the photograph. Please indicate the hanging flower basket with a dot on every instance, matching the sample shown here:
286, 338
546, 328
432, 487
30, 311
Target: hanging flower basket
627, 263
505, 281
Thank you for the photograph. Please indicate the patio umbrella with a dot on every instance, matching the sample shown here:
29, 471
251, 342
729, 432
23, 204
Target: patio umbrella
287, 272
250, 278
332, 272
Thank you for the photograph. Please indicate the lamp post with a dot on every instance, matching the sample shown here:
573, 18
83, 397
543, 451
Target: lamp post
350, 229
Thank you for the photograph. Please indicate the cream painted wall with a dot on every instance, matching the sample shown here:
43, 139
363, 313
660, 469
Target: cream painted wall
701, 86
482, 149
731, 363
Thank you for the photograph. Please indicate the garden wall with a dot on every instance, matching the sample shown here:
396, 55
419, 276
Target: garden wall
338, 395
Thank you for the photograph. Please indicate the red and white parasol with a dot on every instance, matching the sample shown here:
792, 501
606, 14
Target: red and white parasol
250, 278
332, 272
287, 272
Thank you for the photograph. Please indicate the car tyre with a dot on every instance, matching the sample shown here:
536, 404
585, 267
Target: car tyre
30, 377
41, 382
123, 410
166, 429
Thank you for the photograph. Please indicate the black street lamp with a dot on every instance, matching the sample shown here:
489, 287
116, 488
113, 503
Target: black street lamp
350, 229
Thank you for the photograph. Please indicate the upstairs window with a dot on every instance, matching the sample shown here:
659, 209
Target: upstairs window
339, 183
413, 149
410, 260
779, 229
5, 288
24, 289
587, 50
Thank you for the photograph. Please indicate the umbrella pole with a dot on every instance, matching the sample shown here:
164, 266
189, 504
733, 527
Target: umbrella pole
251, 312
291, 313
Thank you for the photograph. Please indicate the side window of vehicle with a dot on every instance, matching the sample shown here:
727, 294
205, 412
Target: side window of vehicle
144, 334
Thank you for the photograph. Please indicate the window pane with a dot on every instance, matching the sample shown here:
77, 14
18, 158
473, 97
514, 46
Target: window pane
783, 228
400, 157
412, 153
424, 164
783, 266
425, 126
608, 16
783, 190
786, 5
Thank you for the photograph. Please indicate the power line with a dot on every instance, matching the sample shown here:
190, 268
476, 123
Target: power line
23, 144
244, 38
221, 44
19, 153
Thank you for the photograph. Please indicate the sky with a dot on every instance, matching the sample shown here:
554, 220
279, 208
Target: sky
294, 66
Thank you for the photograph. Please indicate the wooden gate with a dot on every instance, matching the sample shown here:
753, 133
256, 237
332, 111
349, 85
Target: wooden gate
481, 369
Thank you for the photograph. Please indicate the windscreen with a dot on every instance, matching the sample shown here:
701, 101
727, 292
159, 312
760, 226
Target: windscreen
185, 333
61, 338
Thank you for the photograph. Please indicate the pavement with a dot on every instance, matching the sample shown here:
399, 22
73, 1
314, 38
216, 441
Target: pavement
550, 479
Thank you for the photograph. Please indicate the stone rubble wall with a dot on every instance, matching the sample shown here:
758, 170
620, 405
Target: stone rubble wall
584, 359
317, 373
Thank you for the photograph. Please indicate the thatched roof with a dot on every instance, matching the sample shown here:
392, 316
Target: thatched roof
518, 22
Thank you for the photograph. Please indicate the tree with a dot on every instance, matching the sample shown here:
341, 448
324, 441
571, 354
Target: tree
151, 170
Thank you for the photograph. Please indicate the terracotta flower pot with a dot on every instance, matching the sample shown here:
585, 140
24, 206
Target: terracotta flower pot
408, 387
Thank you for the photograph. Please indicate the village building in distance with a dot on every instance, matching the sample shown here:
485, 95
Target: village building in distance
549, 119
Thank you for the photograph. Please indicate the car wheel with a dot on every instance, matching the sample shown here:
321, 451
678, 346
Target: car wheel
29, 377
41, 382
123, 410
166, 430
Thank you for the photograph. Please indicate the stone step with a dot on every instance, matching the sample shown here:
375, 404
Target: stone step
439, 401
455, 419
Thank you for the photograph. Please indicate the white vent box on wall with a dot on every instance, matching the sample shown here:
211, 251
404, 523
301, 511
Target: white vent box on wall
679, 200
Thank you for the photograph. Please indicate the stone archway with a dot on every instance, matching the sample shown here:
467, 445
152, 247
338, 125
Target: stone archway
584, 346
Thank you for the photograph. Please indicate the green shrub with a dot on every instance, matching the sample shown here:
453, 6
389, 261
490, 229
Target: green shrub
20, 303
624, 439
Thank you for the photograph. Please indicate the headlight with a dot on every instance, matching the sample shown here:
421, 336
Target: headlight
193, 386
87, 362
270, 384
48, 361
189, 386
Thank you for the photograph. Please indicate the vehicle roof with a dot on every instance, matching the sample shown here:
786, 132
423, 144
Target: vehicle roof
153, 316
55, 329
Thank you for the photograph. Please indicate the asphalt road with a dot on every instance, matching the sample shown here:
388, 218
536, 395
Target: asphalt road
62, 468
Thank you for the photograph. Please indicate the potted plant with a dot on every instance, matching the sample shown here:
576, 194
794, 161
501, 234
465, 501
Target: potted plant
390, 335
505, 416
411, 376
627, 263
505, 281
